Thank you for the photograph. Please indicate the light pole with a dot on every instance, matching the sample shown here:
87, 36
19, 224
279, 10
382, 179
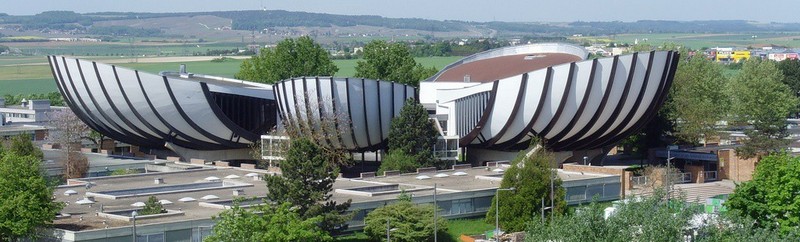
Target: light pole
388, 231
133, 214
435, 211
497, 211
669, 178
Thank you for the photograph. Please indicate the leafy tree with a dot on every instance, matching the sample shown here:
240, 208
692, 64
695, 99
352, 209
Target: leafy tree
266, 223
649, 219
414, 134
530, 177
410, 222
760, 99
699, 99
152, 206
771, 197
392, 62
290, 58
27, 196
21, 145
791, 74
398, 160
306, 182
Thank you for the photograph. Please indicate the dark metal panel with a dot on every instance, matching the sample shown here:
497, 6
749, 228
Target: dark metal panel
219, 140
616, 131
321, 111
84, 111
659, 99
239, 131
517, 104
196, 143
466, 140
336, 113
593, 137
581, 107
514, 141
350, 112
380, 112
164, 136
366, 117
153, 141
54, 68
569, 143
564, 96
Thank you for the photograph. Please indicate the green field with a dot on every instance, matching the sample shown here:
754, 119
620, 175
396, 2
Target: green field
125, 49
697, 41
23, 75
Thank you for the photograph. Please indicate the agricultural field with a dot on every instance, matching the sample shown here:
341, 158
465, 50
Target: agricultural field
697, 41
122, 48
22, 75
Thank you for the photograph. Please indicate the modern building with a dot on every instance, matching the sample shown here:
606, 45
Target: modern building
100, 208
489, 104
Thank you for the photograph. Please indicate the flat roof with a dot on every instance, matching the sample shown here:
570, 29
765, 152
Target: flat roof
21, 128
195, 211
491, 69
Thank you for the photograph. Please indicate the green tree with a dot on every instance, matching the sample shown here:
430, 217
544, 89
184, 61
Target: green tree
413, 133
398, 160
392, 62
771, 197
152, 206
306, 181
21, 145
699, 99
791, 74
649, 219
530, 177
290, 58
28, 203
408, 222
266, 223
760, 99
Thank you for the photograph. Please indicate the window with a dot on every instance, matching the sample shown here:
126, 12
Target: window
199, 233
462, 206
159, 237
576, 194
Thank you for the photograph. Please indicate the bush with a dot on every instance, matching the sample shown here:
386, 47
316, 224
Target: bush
152, 206
398, 160
410, 222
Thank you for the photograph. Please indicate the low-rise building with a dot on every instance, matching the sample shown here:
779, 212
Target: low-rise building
99, 209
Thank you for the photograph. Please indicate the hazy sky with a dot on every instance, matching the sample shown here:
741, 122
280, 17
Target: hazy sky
471, 10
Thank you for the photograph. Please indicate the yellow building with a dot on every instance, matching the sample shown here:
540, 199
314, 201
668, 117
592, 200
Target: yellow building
733, 56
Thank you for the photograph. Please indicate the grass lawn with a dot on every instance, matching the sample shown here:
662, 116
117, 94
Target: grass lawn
27, 86
455, 228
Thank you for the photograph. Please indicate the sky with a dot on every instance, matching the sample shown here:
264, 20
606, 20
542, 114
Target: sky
468, 10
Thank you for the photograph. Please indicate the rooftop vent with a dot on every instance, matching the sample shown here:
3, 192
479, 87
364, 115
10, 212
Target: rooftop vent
159, 180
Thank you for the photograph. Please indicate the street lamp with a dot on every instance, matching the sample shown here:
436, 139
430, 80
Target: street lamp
133, 214
435, 210
388, 231
497, 211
